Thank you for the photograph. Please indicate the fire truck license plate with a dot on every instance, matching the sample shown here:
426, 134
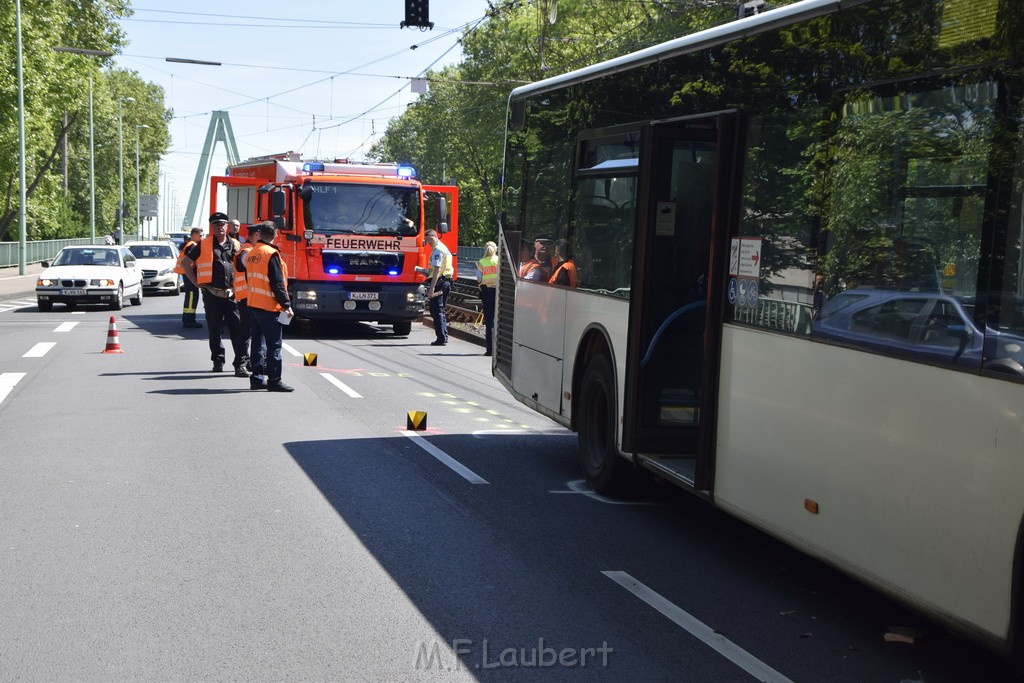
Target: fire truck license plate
362, 296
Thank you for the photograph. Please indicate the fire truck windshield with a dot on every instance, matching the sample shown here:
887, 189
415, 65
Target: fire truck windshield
361, 209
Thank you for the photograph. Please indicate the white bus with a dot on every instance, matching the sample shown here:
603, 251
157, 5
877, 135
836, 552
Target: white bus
795, 284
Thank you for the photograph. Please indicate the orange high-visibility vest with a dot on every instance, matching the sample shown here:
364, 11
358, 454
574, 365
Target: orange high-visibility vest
567, 267
240, 286
257, 265
178, 268
204, 266
534, 264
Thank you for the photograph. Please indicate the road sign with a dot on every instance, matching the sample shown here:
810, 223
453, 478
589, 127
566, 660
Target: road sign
149, 205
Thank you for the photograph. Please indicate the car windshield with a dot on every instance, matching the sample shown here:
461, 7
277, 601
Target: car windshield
152, 251
362, 209
87, 257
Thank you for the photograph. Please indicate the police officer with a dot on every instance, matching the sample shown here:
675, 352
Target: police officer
440, 274
241, 288
488, 268
211, 266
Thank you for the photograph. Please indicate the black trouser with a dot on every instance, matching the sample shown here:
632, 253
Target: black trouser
191, 303
437, 304
244, 330
219, 312
487, 295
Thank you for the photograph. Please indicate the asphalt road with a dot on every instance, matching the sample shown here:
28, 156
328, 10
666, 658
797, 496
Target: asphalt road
164, 522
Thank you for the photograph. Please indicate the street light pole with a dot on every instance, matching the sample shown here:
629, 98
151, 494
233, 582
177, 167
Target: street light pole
92, 140
120, 167
22, 225
138, 199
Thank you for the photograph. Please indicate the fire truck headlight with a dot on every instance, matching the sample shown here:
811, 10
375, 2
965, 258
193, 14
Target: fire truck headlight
307, 234
350, 305
307, 295
374, 305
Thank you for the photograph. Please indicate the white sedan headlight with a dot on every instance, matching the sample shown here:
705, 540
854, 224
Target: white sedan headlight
165, 271
47, 282
101, 283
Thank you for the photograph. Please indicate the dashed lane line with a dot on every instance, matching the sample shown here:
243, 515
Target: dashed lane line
717, 642
39, 350
65, 327
290, 350
341, 385
453, 464
7, 382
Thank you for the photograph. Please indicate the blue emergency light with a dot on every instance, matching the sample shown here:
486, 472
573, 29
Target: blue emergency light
392, 272
333, 270
406, 172
311, 166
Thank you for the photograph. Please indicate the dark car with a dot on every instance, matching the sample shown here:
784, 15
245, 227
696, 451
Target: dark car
923, 325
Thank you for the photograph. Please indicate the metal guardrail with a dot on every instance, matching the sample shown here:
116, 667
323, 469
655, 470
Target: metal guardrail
787, 316
37, 250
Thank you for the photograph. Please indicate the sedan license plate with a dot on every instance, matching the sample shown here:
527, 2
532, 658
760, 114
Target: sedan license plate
362, 296
74, 292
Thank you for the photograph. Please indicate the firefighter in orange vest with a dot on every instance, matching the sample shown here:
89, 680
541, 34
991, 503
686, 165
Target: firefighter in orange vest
211, 266
242, 291
191, 304
565, 272
267, 281
542, 265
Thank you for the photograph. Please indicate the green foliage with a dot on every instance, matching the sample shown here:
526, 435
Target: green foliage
56, 85
456, 131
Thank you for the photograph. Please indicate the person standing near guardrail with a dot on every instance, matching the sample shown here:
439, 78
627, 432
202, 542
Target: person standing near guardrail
487, 276
440, 273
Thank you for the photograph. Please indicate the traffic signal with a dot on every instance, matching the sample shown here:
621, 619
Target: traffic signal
417, 13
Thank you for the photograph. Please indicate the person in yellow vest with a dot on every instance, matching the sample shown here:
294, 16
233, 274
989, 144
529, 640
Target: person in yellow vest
267, 280
440, 275
191, 303
211, 267
242, 291
487, 269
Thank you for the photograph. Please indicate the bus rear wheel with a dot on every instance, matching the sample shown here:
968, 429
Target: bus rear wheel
605, 470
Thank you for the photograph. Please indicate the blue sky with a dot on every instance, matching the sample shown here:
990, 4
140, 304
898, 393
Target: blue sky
319, 78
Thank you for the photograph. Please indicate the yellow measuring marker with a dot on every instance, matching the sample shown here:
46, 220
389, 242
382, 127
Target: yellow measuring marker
416, 421
309, 359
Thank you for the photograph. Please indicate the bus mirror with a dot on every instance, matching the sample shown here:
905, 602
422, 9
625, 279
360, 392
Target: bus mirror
277, 203
518, 116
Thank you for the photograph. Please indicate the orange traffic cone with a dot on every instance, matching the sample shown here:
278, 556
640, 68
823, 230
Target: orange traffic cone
113, 345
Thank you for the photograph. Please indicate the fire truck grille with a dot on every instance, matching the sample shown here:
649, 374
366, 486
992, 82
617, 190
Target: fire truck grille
362, 263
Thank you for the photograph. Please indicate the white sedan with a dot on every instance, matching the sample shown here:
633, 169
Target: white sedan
90, 275
157, 259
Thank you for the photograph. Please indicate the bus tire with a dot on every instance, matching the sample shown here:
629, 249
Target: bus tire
605, 470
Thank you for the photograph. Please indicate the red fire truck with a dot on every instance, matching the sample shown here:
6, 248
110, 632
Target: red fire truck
350, 233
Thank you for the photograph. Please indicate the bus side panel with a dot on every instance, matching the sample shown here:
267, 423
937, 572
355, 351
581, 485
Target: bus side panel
906, 495
585, 312
537, 344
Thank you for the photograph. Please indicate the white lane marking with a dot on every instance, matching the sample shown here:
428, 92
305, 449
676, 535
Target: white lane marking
39, 350
7, 382
720, 644
77, 312
290, 349
341, 385
456, 466
65, 327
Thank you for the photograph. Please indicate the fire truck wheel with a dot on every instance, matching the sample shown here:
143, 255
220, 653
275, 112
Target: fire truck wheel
402, 329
